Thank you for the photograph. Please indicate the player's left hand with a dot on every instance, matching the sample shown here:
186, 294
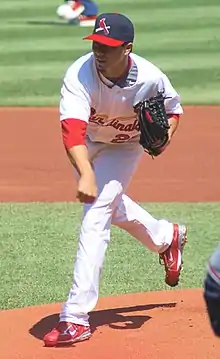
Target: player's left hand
154, 126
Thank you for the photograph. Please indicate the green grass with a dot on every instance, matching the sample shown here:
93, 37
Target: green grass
38, 244
181, 37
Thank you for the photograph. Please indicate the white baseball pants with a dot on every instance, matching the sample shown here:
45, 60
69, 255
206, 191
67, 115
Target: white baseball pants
114, 166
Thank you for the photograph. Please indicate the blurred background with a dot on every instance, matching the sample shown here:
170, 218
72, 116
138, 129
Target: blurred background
36, 46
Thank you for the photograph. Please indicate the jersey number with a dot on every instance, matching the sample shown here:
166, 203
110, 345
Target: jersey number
121, 138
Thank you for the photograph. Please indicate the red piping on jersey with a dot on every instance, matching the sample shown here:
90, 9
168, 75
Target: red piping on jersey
73, 132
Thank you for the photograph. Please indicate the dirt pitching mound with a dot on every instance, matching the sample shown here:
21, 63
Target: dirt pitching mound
158, 325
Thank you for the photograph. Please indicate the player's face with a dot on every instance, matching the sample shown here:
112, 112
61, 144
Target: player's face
108, 58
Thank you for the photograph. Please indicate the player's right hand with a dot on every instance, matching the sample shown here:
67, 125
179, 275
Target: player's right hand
87, 190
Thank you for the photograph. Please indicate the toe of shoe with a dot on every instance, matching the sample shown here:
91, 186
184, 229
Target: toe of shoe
51, 339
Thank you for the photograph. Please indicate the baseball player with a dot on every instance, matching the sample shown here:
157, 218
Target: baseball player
212, 291
80, 12
101, 136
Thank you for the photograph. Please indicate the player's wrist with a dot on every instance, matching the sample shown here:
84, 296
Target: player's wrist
87, 171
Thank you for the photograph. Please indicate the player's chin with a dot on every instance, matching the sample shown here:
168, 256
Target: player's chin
101, 65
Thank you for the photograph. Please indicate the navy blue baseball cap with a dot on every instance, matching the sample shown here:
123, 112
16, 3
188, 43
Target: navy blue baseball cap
112, 29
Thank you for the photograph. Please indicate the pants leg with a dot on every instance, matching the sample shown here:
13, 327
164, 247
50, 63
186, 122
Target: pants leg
155, 234
91, 8
211, 291
114, 166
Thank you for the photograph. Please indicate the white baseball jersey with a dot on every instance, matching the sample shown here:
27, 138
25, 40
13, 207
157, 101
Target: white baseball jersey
108, 110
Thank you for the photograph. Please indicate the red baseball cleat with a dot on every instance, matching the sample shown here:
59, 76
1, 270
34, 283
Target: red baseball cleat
172, 257
67, 333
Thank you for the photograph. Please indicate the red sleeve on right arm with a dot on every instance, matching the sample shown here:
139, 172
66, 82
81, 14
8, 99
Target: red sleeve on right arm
73, 132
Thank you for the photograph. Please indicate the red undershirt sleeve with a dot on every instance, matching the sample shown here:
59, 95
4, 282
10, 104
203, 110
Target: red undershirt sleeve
73, 132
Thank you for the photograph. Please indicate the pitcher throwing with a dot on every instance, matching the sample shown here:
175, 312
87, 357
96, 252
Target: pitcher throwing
101, 135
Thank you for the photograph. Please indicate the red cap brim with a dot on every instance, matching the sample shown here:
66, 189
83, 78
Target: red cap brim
104, 40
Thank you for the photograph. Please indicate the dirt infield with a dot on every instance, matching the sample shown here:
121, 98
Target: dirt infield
34, 166
159, 325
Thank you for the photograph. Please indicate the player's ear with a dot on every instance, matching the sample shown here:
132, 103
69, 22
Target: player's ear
128, 48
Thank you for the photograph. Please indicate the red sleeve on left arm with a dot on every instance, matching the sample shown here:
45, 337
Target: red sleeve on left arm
74, 132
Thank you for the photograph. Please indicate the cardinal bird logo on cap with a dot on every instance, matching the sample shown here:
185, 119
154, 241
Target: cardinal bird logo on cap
103, 27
